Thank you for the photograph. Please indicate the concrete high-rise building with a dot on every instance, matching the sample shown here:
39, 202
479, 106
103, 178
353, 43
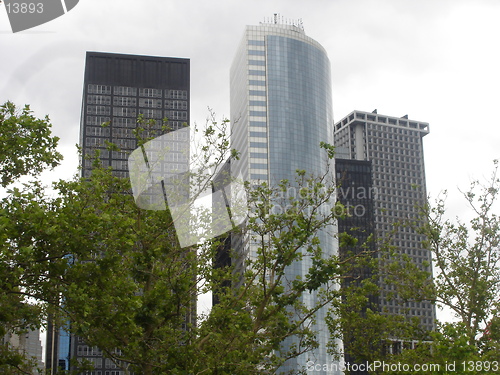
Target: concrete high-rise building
28, 344
117, 90
281, 109
394, 148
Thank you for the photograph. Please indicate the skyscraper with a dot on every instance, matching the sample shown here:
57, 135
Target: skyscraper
356, 193
117, 90
394, 147
280, 112
27, 343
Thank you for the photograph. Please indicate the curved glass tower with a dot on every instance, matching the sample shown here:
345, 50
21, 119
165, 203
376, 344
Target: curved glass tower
281, 109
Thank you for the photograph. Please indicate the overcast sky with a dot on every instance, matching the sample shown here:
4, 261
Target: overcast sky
436, 60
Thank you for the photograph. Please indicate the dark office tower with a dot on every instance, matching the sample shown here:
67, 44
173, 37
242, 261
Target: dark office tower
221, 206
117, 89
281, 110
395, 149
356, 193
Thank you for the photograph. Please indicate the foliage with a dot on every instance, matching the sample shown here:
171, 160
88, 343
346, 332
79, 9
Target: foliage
262, 309
27, 147
467, 257
90, 256
467, 281
129, 288
367, 331
449, 351
27, 144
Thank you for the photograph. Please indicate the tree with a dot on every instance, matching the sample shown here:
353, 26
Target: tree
467, 257
263, 308
26, 143
91, 256
368, 331
27, 147
128, 286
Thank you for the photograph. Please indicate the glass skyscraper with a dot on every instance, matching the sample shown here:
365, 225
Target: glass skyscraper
281, 109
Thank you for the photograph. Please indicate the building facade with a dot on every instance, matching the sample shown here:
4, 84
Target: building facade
394, 147
280, 112
120, 88
356, 193
28, 344
57, 347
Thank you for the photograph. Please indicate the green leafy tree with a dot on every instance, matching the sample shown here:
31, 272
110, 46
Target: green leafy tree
466, 257
128, 287
91, 256
27, 147
262, 309
367, 331
26, 143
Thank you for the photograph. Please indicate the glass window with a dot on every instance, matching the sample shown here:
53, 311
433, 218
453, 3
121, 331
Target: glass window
97, 120
258, 155
257, 72
99, 89
122, 90
258, 113
258, 103
99, 99
176, 115
257, 83
150, 93
150, 103
125, 101
256, 53
176, 104
258, 134
257, 62
151, 113
124, 111
258, 166
123, 133
98, 110
97, 131
258, 144
124, 122
258, 176
176, 94
256, 43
